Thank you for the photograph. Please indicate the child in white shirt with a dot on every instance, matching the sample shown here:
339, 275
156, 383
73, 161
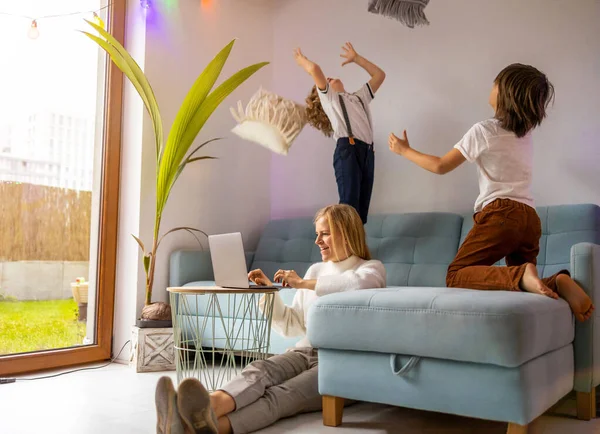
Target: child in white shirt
347, 117
506, 224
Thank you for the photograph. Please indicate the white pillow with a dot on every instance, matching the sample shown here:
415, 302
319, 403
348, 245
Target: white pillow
270, 120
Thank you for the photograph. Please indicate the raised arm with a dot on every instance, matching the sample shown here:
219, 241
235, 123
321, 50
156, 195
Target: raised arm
311, 68
438, 165
376, 73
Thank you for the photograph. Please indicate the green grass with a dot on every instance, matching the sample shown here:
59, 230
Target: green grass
39, 325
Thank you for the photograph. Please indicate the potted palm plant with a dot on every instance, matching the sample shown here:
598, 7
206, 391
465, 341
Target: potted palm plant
172, 155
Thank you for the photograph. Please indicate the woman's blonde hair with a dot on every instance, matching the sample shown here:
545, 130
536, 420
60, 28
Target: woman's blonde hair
316, 115
345, 222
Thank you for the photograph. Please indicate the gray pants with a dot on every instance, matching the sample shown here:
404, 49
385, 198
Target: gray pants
269, 390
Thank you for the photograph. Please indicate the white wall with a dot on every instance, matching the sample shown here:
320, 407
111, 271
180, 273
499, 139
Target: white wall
233, 192
438, 82
173, 44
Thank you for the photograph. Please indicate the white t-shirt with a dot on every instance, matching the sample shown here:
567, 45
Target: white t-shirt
504, 162
360, 118
347, 275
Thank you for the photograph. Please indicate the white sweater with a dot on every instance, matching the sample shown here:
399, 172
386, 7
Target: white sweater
347, 275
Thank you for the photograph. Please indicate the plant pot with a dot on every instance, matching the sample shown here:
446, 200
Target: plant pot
153, 323
80, 292
153, 349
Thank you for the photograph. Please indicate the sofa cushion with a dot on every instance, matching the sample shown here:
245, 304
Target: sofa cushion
287, 244
494, 327
415, 248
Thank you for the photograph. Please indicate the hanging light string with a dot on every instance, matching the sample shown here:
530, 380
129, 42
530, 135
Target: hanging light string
33, 32
57, 15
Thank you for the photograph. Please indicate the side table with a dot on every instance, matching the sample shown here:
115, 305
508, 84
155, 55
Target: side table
213, 325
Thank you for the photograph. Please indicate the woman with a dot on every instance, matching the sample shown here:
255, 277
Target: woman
285, 384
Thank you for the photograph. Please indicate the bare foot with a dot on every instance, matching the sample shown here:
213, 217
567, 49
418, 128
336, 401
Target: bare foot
222, 403
580, 303
531, 282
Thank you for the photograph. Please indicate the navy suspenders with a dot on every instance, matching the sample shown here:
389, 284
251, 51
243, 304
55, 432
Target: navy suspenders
347, 119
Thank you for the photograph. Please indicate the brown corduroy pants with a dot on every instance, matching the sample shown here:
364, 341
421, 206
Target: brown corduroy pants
503, 229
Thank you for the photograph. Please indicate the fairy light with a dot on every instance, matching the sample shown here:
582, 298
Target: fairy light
33, 32
145, 4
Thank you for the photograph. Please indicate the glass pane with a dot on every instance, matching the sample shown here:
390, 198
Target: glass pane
51, 121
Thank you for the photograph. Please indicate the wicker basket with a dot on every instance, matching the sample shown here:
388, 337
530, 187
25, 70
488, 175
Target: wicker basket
80, 292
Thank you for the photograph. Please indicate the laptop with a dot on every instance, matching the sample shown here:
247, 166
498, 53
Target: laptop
229, 262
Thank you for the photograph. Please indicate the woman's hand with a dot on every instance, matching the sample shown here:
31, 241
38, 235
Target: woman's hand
349, 54
258, 277
289, 278
398, 145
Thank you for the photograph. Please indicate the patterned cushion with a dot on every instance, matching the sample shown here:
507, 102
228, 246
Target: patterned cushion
270, 120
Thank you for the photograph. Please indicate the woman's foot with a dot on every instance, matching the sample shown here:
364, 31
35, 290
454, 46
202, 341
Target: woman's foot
193, 402
531, 282
168, 419
580, 303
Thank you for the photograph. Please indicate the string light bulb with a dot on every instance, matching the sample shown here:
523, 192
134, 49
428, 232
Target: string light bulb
33, 32
145, 4
99, 20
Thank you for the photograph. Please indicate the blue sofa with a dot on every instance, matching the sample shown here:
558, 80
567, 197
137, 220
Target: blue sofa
497, 355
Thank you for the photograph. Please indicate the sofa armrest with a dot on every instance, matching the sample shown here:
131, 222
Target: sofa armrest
187, 266
585, 269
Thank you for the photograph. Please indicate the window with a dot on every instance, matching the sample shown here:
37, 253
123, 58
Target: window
67, 53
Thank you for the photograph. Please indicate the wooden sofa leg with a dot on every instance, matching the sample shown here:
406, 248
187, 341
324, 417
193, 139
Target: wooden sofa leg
586, 405
333, 409
513, 428
535, 427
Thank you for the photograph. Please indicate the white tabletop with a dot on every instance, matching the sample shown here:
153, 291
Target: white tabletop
220, 290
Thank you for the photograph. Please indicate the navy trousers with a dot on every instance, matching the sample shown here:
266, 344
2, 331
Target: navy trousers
354, 173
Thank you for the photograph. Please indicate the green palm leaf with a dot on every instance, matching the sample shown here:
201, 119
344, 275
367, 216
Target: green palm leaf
196, 95
134, 73
203, 145
120, 63
176, 151
197, 107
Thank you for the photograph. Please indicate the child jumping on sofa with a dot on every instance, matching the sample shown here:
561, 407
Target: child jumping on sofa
506, 224
347, 117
